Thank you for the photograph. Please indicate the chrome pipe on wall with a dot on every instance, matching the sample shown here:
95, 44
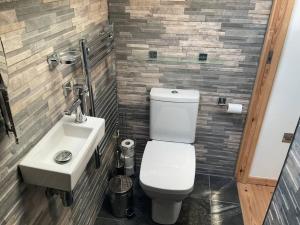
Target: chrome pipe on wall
101, 47
87, 73
5, 111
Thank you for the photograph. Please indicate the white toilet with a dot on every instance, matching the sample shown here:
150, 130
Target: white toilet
168, 166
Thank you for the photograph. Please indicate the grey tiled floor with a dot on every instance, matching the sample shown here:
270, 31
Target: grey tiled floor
214, 201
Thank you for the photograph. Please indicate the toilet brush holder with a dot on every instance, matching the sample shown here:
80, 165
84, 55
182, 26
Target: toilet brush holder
119, 166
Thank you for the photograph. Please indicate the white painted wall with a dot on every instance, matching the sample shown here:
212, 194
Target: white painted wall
283, 109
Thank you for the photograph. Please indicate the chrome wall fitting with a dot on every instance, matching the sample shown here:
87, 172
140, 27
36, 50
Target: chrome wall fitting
67, 88
53, 60
68, 57
222, 101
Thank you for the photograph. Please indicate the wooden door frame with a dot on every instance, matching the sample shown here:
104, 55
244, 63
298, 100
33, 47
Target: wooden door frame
270, 56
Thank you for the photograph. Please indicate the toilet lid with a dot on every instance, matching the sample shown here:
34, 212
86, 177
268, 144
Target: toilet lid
168, 166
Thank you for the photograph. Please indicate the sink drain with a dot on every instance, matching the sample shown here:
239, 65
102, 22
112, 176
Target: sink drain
63, 157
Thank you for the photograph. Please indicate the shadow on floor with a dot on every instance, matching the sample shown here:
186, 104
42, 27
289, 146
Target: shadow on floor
214, 201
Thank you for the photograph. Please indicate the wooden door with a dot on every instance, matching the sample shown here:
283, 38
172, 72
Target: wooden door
270, 56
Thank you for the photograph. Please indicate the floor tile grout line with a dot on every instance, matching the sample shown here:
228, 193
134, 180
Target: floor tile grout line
234, 203
212, 200
219, 176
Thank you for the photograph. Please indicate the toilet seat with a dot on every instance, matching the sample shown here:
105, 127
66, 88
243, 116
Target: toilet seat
168, 167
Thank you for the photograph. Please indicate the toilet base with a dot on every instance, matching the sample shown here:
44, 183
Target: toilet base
164, 211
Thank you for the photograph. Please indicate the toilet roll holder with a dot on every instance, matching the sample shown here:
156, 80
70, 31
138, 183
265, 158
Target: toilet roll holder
222, 101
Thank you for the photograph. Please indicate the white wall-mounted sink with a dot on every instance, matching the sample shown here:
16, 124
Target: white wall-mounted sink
81, 139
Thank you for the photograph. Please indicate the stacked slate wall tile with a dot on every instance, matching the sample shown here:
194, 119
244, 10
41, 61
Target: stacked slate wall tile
284, 208
30, 30
230, 32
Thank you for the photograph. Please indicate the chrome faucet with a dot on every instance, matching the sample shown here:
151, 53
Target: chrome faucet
80, 117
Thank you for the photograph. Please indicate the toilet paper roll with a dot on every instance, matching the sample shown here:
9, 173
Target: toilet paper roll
127, 143
127, 147
234, 108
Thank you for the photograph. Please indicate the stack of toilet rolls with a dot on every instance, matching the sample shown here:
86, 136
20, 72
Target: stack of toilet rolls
127, 148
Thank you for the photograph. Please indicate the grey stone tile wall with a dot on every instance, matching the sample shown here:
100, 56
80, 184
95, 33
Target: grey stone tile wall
231, 32
285, 206
29, 31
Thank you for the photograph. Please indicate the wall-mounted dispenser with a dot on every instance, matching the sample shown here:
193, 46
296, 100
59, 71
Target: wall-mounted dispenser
230, 107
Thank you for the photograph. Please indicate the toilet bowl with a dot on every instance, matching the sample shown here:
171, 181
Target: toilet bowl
168, 165
167, 176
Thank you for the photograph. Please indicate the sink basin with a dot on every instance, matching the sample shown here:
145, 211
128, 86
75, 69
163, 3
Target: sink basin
79, 140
